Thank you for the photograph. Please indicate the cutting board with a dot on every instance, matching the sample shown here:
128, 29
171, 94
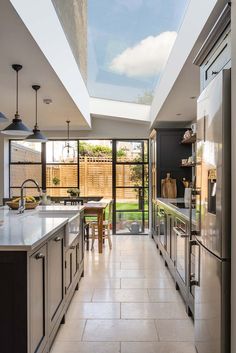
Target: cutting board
168, 187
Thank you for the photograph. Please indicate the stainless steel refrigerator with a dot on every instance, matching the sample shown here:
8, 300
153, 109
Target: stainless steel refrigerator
213, 233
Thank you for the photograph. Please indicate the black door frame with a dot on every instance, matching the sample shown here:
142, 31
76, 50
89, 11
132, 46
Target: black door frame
141, 188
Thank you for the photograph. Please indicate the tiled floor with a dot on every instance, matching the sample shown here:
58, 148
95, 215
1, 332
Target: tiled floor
126, 303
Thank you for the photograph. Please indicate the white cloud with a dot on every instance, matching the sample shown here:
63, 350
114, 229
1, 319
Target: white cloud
146, 58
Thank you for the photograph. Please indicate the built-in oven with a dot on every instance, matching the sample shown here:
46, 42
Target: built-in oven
181, 238
162, 227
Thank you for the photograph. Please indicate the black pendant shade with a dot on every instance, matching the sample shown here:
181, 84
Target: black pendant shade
17, 127
37, 135
3, 118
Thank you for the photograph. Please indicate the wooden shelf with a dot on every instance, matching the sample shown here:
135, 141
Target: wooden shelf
188, 165
190, 140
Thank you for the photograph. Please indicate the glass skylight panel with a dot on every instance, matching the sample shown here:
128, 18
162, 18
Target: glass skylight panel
129, 42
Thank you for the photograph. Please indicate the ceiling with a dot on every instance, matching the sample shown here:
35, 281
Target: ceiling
178, 106
18, 47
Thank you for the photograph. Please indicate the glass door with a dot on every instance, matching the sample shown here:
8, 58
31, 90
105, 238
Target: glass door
130, 186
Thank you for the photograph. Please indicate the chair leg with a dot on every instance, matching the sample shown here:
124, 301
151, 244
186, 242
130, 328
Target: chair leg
109, 237
93, 236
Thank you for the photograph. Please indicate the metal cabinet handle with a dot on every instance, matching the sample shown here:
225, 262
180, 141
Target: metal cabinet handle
192, 279
179, 233
72, 247
39, 256
57, 239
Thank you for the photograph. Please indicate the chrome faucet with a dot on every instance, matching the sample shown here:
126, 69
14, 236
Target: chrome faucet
22, 201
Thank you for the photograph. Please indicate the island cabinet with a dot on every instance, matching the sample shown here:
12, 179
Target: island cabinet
36, 289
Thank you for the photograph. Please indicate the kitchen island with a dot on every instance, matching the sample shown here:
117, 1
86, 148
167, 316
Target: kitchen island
41, 263
171, 230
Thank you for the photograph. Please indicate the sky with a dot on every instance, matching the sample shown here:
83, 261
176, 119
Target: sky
129, 42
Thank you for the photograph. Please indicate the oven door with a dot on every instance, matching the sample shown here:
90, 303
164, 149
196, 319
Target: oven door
181, 236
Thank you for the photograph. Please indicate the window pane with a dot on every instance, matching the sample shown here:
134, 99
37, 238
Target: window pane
125, 222
127, 199
57, 192
62, 175
54, 151
129, 175
19, 173
129, 151
95, 168
27, 192
22, 151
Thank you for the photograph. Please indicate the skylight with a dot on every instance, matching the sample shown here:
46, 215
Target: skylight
129, 42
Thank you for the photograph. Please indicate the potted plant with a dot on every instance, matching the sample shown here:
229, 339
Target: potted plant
56, 181
74, 192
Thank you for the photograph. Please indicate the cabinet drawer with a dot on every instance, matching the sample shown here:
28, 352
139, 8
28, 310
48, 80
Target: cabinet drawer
217, 60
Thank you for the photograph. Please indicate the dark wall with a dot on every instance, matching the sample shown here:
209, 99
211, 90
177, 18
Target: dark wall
170, 151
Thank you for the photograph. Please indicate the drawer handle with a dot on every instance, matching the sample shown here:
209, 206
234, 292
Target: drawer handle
57, 239
72, 247
40, 256
179, 233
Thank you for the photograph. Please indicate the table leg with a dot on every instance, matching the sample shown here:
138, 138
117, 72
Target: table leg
100, 230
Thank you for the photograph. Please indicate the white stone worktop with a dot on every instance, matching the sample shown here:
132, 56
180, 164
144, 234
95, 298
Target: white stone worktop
26, 231
185, 212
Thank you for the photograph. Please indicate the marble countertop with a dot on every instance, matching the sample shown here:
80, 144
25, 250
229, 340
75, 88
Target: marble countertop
26, 231
184, 212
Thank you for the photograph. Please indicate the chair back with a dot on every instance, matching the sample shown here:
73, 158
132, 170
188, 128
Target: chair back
109, 216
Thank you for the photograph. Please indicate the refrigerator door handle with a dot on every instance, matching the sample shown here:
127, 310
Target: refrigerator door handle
192, 277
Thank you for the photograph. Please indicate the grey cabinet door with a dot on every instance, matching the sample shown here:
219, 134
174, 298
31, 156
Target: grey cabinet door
71, 264
38, 300
55, 275
68, 269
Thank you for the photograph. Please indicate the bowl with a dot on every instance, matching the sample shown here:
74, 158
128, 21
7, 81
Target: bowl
28, 205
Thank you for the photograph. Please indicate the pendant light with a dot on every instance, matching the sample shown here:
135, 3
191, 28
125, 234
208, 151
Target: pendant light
17, 127
68, 152
37, 135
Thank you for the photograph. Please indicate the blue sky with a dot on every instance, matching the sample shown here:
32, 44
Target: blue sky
128, 43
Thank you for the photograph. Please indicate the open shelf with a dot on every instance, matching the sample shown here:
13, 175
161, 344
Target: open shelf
188, 165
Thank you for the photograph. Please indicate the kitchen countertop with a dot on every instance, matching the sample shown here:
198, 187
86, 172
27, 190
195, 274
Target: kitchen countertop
184, 212
26, 231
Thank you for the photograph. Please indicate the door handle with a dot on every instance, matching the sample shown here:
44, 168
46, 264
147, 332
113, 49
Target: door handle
39, 256
192, 280
57, 239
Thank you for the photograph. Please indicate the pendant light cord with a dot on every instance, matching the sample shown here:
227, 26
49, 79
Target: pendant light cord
36, 108
17, 97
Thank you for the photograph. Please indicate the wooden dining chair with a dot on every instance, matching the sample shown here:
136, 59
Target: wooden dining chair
107, 224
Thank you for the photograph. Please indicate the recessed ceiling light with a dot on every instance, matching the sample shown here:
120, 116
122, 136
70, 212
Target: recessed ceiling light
47, 100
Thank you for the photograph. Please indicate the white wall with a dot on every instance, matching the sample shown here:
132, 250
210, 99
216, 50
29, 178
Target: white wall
107, 128
233, 212
126, 110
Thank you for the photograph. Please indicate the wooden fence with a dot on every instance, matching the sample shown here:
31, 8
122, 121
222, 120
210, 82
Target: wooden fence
95, 178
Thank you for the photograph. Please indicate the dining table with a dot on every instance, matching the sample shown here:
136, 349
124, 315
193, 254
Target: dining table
97, 209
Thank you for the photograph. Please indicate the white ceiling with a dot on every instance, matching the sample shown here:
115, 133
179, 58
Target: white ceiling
18, 47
